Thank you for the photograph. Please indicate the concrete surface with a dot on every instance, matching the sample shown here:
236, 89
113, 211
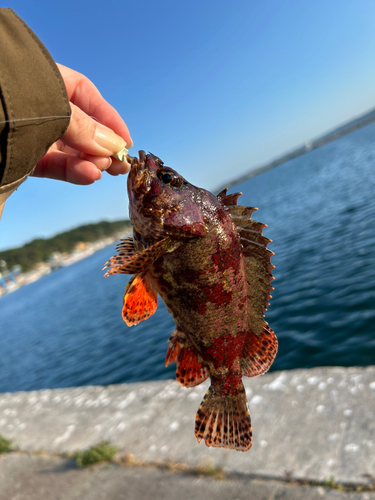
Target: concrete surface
311, 424
24, 477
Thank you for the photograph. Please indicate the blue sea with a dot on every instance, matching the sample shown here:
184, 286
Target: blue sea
66, 329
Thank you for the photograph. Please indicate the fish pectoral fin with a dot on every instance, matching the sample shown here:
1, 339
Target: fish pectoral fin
259, 352
140, 300
129, 261
224, 420
190, 370
117, 262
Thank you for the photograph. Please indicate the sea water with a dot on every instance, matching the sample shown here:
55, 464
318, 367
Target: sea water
66, 329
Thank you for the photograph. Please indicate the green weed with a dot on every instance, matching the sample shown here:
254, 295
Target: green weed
102, 452
5, 445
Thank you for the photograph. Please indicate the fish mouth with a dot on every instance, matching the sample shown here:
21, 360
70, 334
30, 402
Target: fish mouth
145, 216
142, 170
139, 182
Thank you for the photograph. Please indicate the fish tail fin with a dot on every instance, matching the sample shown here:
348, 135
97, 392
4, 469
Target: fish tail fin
224, 420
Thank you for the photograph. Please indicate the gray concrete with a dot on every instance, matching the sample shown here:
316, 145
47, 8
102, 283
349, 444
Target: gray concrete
24, 477
310, 424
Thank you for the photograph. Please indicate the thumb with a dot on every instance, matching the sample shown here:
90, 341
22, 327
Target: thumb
91, 137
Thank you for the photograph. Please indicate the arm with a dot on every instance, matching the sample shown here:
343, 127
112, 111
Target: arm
30, 87
53, 121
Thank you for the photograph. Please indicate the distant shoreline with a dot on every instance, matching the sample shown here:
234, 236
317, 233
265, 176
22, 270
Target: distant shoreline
347, 128
61, 250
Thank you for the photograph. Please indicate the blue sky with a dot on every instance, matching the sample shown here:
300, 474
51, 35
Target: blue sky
214, 88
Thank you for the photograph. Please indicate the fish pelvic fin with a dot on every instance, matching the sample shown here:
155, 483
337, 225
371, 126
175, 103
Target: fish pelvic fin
224, 420
259, 352
129, 261
140, 300
190, 370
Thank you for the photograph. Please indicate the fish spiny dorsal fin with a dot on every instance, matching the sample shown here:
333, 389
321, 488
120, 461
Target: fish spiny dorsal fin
140, 300
228, 199
258, 265
190, 370
129, 261
244, 214
222, 194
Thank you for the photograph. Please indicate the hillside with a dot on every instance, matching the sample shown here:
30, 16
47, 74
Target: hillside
40, 249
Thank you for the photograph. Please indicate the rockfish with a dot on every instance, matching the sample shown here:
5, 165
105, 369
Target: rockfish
208, 261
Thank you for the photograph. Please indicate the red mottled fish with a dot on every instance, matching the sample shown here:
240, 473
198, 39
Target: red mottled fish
208, 261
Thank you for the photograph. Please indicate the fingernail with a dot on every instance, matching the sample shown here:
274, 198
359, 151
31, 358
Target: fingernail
131, 144
106, 138
99, 175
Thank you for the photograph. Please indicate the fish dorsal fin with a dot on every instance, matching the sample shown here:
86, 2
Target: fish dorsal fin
222, 194
129, 261
228, 199
140, 300
258, 265
190, 370
258, 353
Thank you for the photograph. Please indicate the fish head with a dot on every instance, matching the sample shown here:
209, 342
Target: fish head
162, 203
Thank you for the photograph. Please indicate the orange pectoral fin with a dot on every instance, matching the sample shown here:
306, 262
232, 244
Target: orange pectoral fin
140, 300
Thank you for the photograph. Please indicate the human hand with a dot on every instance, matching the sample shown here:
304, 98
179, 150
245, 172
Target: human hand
96, 131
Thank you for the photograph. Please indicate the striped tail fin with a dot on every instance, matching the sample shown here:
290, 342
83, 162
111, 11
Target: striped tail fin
224, 420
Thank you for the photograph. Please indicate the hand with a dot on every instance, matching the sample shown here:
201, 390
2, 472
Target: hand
96, 131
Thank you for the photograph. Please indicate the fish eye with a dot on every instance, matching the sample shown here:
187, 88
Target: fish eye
166, 178
169, 178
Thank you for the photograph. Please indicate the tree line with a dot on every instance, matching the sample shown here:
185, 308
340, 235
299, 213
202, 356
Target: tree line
40, 249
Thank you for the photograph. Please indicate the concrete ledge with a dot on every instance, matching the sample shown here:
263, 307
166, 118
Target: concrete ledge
311, 424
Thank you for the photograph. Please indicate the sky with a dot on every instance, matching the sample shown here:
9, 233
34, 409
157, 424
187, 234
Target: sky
214, 88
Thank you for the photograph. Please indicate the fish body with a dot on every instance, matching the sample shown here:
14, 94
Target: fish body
208, 261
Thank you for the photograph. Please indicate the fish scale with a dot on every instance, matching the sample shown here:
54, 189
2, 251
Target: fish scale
208, 261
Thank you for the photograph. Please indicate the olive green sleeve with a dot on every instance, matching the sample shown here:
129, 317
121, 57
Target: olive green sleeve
34, 106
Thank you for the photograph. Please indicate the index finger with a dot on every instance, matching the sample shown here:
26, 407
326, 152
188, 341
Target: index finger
83, 93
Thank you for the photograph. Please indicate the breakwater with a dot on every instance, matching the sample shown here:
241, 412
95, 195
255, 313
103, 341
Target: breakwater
310, 424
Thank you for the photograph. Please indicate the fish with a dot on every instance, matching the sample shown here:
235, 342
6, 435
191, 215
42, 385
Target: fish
208, 261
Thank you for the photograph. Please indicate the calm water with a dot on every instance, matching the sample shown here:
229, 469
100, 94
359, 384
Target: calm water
66, 329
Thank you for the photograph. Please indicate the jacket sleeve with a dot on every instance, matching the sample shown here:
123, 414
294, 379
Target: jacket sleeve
34, 106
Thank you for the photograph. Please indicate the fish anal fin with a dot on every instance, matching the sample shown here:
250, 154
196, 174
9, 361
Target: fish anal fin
224, 420
259, 352
129, 261
190, 370
140, 300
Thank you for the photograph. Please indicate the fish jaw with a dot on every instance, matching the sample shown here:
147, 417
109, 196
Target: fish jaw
162, 203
